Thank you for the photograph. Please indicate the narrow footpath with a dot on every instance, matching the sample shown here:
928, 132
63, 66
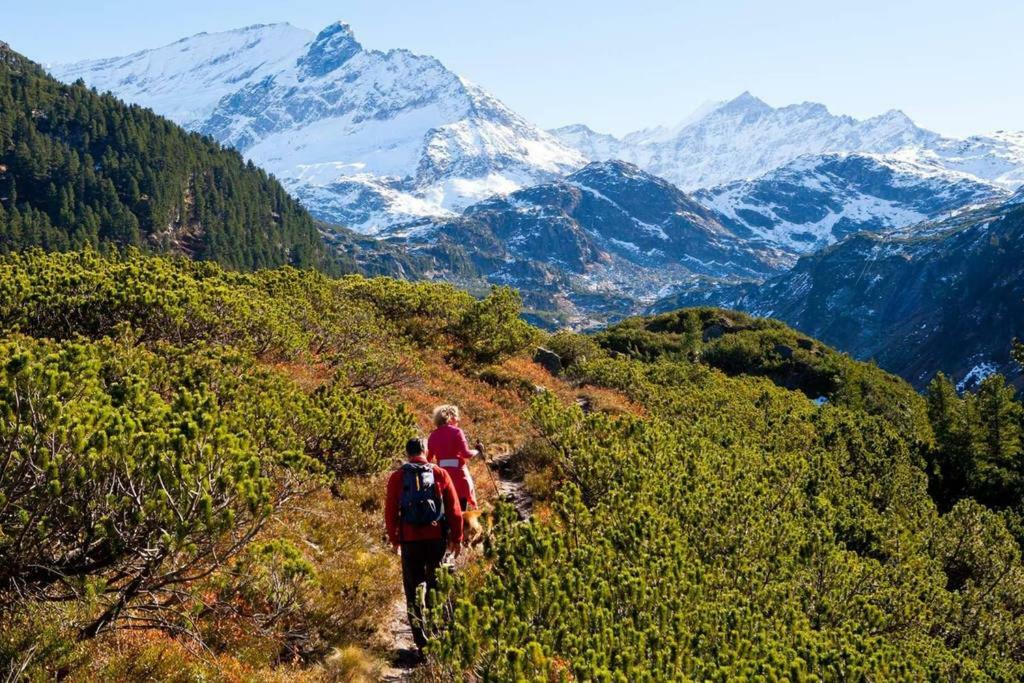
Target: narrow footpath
402, 661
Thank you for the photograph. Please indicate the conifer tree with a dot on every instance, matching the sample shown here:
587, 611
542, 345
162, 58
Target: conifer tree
953, 464
998, 443
90, 169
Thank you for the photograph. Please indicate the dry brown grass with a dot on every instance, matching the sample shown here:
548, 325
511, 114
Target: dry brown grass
342, 537
308, 376
609, 401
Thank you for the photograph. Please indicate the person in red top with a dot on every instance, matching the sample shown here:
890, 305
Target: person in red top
422, 547
447, 446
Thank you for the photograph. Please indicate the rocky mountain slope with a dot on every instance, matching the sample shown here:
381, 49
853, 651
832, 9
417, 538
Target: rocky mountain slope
597, 243
745, 137
814, 201
946, 295
361, 137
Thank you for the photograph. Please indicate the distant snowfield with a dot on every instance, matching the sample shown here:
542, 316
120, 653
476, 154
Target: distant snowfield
341, 146
816, 200
977, 375
998, 157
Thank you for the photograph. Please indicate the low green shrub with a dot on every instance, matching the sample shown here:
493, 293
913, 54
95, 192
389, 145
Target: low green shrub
128, 471
491, 328
736, 532
357, 433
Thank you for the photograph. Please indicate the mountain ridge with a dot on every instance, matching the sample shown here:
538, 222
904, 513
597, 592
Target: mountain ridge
944, 295
745, 137
79, 170
362, 137
813, 201
593, 245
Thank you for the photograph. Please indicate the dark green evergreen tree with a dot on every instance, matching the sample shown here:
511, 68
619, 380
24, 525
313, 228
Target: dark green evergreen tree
998, 443
78, 168
952, 460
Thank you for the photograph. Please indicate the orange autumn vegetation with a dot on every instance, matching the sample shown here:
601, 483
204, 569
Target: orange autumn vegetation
313, 383
342, 536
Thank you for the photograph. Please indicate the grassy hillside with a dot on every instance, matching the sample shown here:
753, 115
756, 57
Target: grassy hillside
738, 345
191, 463
81, 169
735, 531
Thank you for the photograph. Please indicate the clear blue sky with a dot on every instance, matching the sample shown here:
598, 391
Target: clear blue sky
953, 66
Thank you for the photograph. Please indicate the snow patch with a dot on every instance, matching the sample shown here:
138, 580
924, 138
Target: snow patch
976, 375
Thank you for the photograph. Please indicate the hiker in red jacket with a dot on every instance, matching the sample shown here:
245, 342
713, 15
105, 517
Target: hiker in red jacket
447, 446
423, 518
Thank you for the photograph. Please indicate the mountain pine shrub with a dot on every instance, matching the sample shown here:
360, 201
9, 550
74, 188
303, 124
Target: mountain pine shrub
737, 532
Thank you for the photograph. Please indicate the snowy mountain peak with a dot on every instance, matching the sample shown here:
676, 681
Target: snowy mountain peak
746, 98
897, 116
362, 137
576, 129
331, 48
745, 137
808, 110
616, 167
618, 173
744, 103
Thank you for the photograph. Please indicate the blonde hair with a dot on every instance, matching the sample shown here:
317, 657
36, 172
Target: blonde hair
445, 414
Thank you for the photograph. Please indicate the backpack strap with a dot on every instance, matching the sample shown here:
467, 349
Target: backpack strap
408, 474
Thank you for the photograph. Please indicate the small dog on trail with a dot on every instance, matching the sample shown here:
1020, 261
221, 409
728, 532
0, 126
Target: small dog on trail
476, 525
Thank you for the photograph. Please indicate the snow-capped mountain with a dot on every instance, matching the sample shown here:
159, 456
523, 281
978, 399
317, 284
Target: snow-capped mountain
591, 144
997, 158
946, 295
604, 239
185, 80
745, 138
814, 201
362, 137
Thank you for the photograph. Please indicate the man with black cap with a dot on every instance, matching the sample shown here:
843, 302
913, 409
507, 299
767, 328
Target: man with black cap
423, 519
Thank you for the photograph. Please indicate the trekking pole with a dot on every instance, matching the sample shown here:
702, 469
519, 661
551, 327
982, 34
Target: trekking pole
487, 465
